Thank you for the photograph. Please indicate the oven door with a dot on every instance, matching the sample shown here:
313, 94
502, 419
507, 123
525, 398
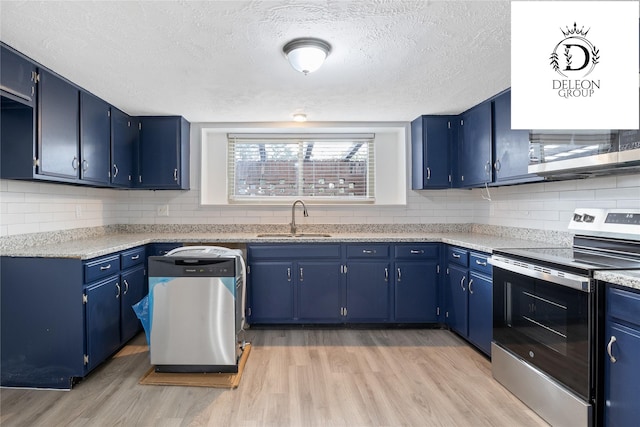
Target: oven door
546, 324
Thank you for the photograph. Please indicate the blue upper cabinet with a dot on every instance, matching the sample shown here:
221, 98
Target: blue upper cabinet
95, 139
58, 127
431, 140
474, 149
53, 130
164, 153
511, 147
17, 76
124, 142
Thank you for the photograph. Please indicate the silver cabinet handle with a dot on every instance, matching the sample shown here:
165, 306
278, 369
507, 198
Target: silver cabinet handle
118, 288
105, 267
455, 255
462, 283
368, 251
428, 173
386, 274
126, 286
289, 274
399, 275
75, 163
470, 283
301, 275
175, 175
484, 264
115, 170
85, 165
497, 165
135, 257
611, 341
487, 168
417, 251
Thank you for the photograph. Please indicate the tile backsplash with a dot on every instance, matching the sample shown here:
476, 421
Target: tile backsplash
30, 207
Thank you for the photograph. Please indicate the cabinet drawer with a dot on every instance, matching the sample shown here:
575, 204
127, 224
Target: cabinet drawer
478, 262
132, 257
368, 251
417, 251
294, 251
623, 305
101, 267
458, 256
161, 249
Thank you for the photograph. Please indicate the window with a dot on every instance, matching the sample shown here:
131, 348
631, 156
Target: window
328, 167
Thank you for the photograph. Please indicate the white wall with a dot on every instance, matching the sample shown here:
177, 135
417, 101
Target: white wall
28, 207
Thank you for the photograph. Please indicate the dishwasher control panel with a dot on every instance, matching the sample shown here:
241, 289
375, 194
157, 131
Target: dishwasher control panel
174, 266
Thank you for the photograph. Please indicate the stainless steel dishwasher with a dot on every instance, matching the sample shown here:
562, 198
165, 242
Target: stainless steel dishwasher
196, 309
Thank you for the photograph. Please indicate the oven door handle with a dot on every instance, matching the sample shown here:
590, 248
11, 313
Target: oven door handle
563, 278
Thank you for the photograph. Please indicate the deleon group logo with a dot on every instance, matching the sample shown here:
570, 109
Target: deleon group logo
574, 58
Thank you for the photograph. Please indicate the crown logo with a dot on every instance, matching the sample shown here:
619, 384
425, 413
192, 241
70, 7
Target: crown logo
574, 31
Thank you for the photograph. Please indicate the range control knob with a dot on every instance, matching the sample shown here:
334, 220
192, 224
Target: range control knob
577, 217
588, 218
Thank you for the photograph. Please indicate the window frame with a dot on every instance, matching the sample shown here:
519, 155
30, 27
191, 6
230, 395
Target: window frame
300, 139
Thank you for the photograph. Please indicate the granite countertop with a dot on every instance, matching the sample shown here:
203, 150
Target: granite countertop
109, 240
627, 278
103, 245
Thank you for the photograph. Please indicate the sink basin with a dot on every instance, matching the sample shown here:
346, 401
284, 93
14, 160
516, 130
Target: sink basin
294, 235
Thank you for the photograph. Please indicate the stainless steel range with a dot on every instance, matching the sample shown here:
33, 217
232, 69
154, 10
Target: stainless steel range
547, 324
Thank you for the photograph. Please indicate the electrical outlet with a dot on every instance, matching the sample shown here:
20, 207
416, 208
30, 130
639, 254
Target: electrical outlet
163, 210
78, 211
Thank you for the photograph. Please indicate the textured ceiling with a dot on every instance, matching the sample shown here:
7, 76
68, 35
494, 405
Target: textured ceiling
222, 61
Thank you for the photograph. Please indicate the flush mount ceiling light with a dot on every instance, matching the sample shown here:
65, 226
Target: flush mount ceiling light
306, 54
299, 117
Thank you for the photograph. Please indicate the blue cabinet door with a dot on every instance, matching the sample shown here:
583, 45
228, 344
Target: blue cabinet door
368, 291
133, 290
480, 311
622, 378
456, 299
58, 127
42, 322
103, 320
124, 138
511, 146
431, 140
17, 75
319, 289
475, 160
416, 291
164, 153
95, 139
271, 290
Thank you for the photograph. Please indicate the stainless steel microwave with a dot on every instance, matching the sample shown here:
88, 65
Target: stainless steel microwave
558, 153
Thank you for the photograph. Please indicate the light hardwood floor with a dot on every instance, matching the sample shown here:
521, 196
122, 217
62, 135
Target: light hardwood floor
308, 377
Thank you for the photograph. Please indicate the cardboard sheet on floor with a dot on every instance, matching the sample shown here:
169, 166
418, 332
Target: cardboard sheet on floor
229, 380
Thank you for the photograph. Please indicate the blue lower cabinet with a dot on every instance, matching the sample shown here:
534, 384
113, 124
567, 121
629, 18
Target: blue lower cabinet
319, 289
622, 347
457, 301
368, 291
133, 289
416, 291
42, 322
61, 318
270, 285
343, 283
469, 296
102, 309
480, 311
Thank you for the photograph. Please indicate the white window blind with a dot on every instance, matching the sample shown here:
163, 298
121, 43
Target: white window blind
329, 167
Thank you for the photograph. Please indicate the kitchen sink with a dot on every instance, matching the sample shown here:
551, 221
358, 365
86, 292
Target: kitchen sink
294, 235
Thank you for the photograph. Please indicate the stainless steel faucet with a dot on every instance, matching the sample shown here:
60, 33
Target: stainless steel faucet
293, 214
